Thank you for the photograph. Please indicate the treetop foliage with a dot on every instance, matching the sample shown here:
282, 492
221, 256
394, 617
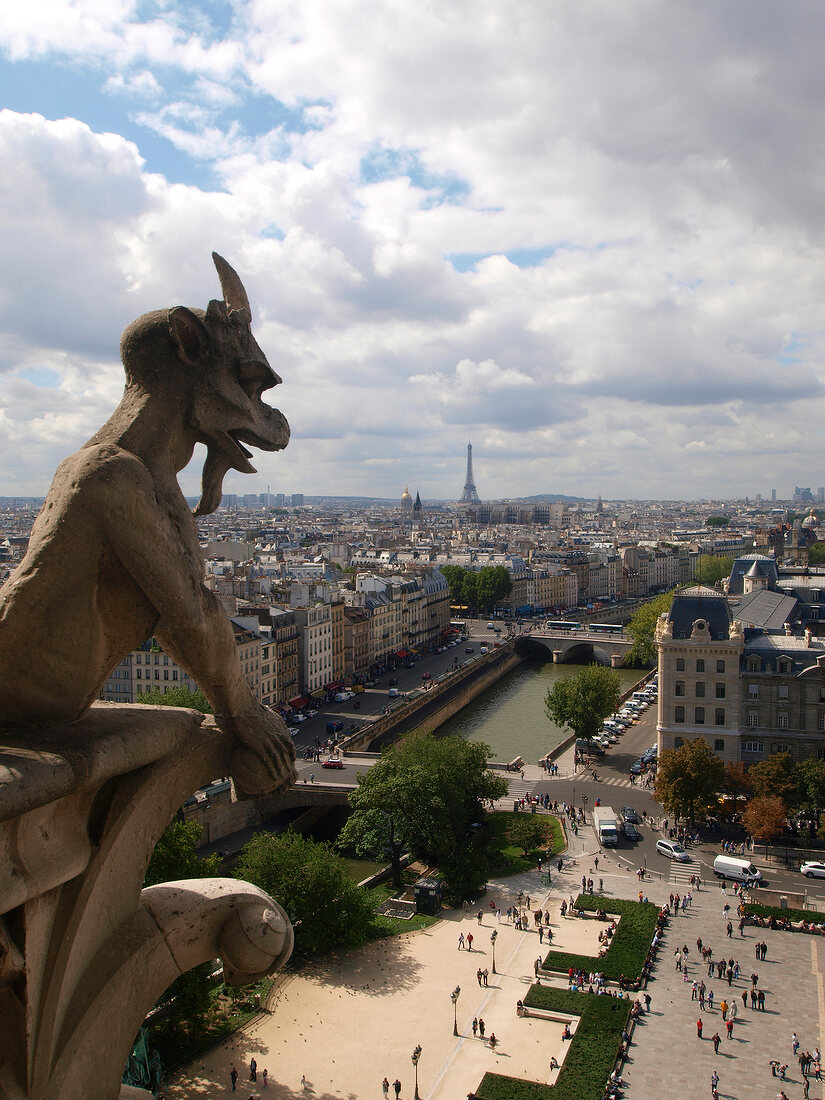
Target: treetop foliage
580, 703
479, 590
178, 696
689, 779
642, 628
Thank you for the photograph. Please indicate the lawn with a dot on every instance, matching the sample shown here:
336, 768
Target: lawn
590, 1057
629, 946
506, 858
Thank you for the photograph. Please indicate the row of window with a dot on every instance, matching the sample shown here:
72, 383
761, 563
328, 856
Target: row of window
782, 721
700, 665
139, 674
699, 716
699, 689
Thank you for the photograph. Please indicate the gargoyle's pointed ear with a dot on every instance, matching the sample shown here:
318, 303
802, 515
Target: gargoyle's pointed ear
190, 334
233, 289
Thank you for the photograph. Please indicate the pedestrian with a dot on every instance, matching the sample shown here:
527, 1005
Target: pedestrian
699, 1026
537, 967
304, 1082
714, 1080
559, 866
734, 1010
265, 1077
253, 1070
795, 1044
479, 916
475, 1026
730, 929
710, 999
723, 1008
479, 976
485, 973
760, 996
385, 1087
717, 1039
469, 941
729, 1026
460, 940
481, 1028
397, 1086
493, 1040
233, 1077
774, 1066
647, 1002
541, 933
744, 998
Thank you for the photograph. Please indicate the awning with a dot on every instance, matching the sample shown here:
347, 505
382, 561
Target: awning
298, 702
319, 693
336, 685
403, 653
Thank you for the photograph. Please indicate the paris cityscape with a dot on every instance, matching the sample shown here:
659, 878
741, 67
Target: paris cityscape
413, 681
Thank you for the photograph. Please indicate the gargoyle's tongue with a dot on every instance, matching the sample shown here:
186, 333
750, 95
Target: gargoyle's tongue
214, 470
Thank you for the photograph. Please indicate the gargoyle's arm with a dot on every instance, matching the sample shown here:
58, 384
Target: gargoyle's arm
146, 537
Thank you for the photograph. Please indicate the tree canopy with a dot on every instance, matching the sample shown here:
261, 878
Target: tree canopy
478, 590
642, 628
580, 703
423, 796
816, 553
777, 775
717, 521
177, 696
312, 884
710, 569
764, 816
811, 773
689, 779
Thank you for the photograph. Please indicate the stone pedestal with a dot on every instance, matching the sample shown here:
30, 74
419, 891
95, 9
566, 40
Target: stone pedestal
84, 951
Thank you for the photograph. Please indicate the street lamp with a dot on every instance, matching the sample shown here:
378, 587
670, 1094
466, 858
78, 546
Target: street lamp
416, 1054
456, 993
493, 938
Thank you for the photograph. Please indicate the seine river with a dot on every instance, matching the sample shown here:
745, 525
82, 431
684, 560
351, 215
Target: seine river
510, 717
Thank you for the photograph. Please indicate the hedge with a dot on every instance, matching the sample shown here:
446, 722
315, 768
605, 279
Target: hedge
590, 1057
754, 909
629, 946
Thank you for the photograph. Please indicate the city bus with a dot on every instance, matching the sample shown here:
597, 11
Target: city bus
606, 628
561, 625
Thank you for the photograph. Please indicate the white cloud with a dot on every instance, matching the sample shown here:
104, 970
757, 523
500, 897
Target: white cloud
660, 168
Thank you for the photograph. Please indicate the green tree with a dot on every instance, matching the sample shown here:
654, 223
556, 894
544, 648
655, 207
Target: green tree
816, 553
642, 629
580, 703
455, 579
177, 696
312, 884
765, 816
689, 779
425, 795
493, 584
717, 521
778, 776
811, 774
527, 832
175, 858
711, 569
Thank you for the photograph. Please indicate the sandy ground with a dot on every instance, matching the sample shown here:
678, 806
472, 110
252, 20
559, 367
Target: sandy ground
345, 1025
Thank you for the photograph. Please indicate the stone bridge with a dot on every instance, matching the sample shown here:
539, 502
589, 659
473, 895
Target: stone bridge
575, 645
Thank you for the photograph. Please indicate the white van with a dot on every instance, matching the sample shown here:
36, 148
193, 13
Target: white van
740, 870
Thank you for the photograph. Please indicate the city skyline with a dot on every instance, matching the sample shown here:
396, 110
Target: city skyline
586, 238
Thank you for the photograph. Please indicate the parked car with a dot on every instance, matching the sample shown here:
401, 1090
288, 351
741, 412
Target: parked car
637, 767
812, 869
331, 763
293, 730
673, 850
298, 717
312, 714
343, 696
629, 814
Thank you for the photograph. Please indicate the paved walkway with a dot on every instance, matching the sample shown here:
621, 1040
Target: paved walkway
347, 1023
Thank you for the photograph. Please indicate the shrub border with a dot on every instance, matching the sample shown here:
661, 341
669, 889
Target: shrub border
756, 909
633, 942
590, 1058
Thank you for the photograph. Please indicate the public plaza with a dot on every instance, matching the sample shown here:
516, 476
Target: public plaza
345, 1024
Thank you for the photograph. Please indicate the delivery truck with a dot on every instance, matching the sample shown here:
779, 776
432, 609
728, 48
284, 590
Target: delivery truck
605, 826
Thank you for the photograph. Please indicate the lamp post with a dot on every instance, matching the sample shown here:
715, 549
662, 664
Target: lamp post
456, 993
416, 1054
493, 938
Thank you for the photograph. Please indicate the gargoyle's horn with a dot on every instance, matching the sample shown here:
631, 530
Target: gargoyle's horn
233, 289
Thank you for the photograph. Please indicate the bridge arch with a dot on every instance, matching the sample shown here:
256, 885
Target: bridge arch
573, 647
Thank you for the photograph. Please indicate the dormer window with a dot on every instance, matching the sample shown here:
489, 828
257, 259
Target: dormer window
754, 664
783, 665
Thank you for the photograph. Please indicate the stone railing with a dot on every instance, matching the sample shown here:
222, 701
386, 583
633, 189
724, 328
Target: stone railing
84, 951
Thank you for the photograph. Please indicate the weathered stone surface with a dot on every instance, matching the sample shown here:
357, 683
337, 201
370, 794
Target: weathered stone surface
84, 952
114, 555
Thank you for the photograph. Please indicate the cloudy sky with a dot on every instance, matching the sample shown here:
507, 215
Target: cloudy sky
586, 235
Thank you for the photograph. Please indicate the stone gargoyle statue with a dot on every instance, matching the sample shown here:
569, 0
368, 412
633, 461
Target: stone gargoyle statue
114, 557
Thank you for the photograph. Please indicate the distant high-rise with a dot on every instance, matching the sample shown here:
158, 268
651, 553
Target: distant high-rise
773, 495
297, 500
469, 496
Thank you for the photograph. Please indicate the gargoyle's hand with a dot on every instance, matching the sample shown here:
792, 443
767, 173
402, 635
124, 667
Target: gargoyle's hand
264, 761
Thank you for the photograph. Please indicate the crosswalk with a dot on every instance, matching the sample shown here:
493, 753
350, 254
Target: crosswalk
680, 876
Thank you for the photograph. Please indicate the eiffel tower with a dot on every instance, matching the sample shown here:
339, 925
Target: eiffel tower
469, 496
